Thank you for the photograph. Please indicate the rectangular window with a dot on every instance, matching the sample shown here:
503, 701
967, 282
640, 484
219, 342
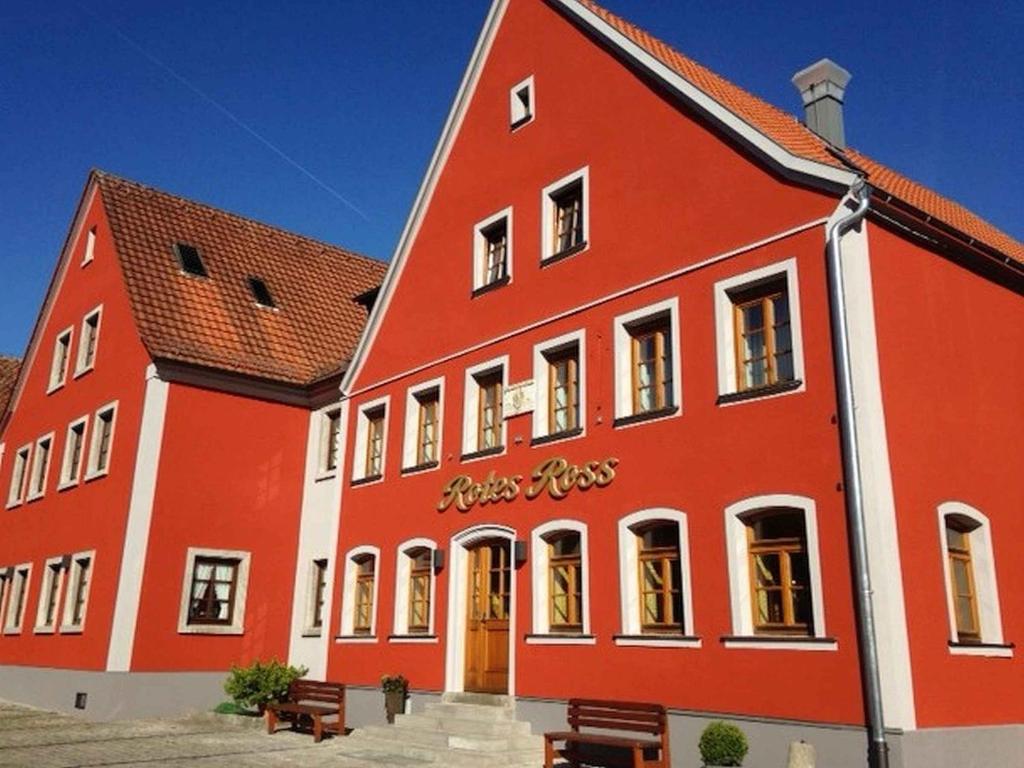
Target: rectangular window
565, 216
520, 100
489, 418
18, 595
495, 252
73, 445
563, 390
370, 451
102, 441
90, 246
661, 595
492, 251
61, 358
375, 443
565, 591
651, 365
779, 573
363, 607
329, 441
49, 596
19, 476
962, 585
764, 345
88, 341
427, 427
212, 592
420, 569
78, 591
318, 593
40, 467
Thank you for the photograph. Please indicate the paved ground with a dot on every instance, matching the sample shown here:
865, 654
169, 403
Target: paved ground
31, 738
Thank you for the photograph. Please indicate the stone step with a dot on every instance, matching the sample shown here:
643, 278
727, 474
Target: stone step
481, 699
462, 726
463, 711
440, 755
446, 738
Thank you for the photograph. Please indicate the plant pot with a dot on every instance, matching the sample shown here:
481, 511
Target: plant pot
394, 704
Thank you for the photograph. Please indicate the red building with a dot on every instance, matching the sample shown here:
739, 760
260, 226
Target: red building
595, 440
158, 508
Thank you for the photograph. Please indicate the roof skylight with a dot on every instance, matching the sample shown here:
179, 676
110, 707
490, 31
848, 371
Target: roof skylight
260, 292
188, 257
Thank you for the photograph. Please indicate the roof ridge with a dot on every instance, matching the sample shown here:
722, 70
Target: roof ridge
106, 176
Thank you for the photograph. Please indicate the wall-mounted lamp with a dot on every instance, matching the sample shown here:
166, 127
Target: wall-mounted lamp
520, 552
438, 559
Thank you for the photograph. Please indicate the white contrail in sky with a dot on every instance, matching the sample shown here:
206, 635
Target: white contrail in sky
238, 121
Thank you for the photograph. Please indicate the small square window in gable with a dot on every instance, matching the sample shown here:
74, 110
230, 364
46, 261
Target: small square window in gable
521, 103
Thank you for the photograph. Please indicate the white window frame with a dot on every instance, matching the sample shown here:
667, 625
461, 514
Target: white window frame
348, 596
403, 569
480, 249
40, 476
90, 245
471, 406
237, 625
739, 575
66, 625
92, 471
308, 629
518, 114
59, 378
725, 326
18, 490
49, 574
624, 360
410, 438
323, 442
985, 583
363, 434
66, 480
541, 379
14, 627
547, 214
542, 633
629, 580
81, 365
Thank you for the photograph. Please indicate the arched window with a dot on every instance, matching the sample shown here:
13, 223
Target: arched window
661, 589
359, 598
366, 571
972, 596
560, 589
419, 590
414, 592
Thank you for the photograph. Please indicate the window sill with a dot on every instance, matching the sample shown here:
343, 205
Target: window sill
325, 474
90, 476
781, 642
80, 373
658, 641
367, 480
66, 485
412, 639
311, 632
498, 449
996, 650
355, 639
562, 255
210, 629
13, 504
416, 468
34, 497
639, 418
57, 385
488, 287
520, 123
12, 630
555, 437
71, 629
554, 638
760, 392
43, 630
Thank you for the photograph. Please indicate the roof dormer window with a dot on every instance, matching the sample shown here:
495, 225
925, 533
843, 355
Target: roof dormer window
190, 260
260, 292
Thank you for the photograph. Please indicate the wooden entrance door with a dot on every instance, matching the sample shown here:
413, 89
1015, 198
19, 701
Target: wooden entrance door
487, 633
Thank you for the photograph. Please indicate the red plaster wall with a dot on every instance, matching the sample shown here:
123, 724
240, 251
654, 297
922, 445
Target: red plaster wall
664, 192
951, 345
231, 471
93, 514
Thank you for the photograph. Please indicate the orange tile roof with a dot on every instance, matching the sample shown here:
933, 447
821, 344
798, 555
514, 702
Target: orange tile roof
9, 367
215, 321
795, 137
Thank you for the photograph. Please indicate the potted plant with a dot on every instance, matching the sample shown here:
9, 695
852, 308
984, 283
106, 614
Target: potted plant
395, 688
258, 684
722, 744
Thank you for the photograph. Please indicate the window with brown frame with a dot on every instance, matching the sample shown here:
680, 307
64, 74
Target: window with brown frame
495, 245
79, 590
319, 589
102, 432
374, 442
651, 359
330, 449
563, 389
780, 583
488, 431
51, 595
420, 569
568, 217
961, 580
764, 342
19, 476
212, 592
427, 426
40, 468
565, 582
16, 601
366, 566
61, 357
661, 580
87, 342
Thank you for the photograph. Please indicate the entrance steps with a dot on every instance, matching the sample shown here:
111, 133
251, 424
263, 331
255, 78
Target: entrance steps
462, 729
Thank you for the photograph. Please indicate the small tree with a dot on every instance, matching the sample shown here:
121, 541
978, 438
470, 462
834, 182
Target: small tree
723, 744
258, 684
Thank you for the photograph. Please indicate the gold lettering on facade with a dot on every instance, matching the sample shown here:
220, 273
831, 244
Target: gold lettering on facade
556, 475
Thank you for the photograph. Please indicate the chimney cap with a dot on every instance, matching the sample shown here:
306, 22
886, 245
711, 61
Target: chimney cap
823, 78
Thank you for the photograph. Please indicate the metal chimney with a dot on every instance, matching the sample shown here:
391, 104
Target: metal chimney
821, 87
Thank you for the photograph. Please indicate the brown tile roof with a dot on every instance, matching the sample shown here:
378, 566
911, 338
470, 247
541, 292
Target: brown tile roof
215, 321
794, 136
9, 367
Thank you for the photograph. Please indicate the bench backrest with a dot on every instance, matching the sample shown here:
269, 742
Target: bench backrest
316, 690
617, 716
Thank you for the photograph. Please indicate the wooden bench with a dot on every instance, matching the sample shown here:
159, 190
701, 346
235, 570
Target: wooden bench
611, 749
314, 700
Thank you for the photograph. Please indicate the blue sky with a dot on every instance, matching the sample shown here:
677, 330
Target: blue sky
355, 94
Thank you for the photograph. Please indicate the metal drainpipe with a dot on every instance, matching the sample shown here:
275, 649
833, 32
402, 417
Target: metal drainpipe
878, 748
